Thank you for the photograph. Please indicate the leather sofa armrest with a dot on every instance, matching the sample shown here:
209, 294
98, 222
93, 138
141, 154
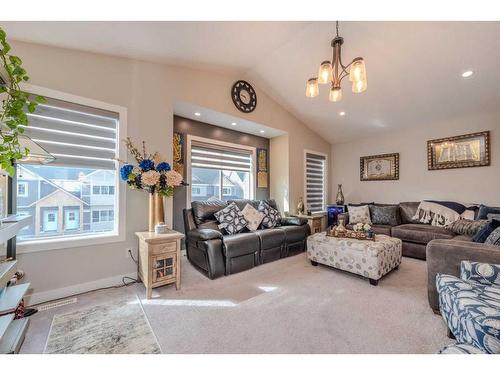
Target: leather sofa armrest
344, 216
292, 220
203, 234
444, 256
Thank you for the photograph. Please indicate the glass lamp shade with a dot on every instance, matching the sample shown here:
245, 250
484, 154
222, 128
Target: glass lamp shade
312, 88
335, 94
325, 72
359, 86
357, 72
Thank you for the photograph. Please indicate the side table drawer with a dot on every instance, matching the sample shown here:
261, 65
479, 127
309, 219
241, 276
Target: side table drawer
164, 267
163, 248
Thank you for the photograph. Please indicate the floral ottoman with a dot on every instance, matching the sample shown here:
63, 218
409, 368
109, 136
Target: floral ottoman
371, 259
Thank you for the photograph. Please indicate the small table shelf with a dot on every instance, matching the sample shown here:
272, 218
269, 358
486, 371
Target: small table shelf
11, 296
159, 259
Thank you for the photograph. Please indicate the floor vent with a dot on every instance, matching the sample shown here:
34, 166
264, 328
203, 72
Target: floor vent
53, 305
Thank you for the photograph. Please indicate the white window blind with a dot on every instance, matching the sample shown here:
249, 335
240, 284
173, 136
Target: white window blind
315, 182
76, 135
219, 157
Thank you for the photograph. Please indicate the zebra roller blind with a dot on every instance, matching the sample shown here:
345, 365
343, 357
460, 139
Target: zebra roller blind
220, 157
315, 182
75, 134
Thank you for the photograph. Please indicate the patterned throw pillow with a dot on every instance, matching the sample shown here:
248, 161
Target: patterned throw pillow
466, 227
253, 217
494, 238
231, 219
272, 217
359, 214
385, 215
485, 231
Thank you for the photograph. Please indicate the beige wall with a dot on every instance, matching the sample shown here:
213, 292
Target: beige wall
416, 182
149, 92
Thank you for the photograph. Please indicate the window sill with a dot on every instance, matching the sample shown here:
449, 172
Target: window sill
35, 246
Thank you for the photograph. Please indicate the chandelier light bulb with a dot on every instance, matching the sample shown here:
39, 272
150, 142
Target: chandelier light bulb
358, 70
359, 86
325, 72
335, 94
312, 88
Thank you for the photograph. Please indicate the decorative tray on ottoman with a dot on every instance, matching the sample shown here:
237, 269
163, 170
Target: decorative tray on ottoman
350, 234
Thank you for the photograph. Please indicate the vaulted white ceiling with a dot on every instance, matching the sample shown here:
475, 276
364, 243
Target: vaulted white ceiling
414, 68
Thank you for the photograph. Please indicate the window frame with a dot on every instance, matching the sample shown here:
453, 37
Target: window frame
26, 193
79, 240
325, 178
253, 151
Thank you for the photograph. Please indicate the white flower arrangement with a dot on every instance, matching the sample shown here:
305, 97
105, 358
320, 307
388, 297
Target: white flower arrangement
360, 227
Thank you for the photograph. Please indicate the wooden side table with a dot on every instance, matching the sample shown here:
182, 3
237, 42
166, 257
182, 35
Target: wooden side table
315, 222
159, 260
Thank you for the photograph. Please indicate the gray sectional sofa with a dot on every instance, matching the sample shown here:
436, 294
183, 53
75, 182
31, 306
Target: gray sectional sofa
442, 248
415, 235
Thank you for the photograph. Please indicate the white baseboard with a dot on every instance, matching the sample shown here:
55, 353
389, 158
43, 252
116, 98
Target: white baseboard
67, 291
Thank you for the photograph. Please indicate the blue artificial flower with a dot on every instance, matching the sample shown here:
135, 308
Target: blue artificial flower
125, 171
146, 165
163, 167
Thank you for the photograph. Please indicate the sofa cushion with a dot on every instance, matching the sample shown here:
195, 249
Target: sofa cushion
253, 217
359, 214
203, 211
240, 244
241, 203
483, 234
438, 213
231, 219
407, 210
420, 233
494, 238
272, 216
385, 215
466, 227
270, 238
485, 210
294, 233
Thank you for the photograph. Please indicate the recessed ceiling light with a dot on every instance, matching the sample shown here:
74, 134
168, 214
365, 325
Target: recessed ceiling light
467, 73
233, 123
262, 131
342, 113
197, 114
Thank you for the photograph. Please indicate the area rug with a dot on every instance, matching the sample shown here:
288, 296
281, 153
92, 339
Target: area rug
117, 327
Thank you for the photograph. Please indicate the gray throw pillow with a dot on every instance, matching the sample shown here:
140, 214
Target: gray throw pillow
494, 238
385, 215
467, 227
231, 219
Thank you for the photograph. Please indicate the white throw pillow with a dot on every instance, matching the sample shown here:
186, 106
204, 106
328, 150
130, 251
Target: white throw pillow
253, 217
359, 214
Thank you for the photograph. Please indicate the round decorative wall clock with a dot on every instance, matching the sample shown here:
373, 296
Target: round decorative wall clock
244, 96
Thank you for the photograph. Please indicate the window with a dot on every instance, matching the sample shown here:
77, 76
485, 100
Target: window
99, 216
22, 189
220, 172
315, 179
83, 140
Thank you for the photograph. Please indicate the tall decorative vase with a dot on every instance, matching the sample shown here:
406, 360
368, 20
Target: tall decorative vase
340, 196
156, 212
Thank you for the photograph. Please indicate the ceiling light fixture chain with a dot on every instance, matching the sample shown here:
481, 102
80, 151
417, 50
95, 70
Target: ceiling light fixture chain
334, 71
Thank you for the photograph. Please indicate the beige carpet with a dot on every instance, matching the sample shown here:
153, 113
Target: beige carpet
287, 306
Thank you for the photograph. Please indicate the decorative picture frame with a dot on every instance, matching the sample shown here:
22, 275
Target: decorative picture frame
462, 151
379, 167
262, 168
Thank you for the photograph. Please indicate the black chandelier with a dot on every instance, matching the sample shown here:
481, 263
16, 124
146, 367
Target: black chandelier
333, 72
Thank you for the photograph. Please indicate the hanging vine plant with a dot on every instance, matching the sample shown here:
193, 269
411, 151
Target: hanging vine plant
14, 106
